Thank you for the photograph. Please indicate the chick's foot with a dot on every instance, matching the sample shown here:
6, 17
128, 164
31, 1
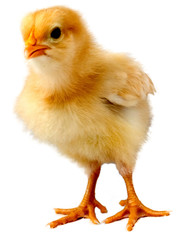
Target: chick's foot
84, 210
133, 208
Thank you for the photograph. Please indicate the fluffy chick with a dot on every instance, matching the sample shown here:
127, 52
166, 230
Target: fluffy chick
90, 103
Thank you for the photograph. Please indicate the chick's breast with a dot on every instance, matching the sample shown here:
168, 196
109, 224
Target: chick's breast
90, 129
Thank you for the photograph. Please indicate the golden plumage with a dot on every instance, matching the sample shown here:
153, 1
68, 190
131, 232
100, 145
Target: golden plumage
91, 104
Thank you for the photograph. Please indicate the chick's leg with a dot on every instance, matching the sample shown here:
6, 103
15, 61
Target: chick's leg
133, 208
86, 209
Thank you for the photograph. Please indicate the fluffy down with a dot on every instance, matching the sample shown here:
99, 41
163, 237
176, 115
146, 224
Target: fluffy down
89, 103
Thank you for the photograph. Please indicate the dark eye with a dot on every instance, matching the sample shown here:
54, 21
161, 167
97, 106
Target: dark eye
56, 33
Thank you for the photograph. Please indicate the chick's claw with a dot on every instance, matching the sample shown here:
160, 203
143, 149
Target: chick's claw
67, 219
64, 211
102, 208
123, 202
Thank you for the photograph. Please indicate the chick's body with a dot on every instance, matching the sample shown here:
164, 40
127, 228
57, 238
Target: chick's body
88, 128
91, 104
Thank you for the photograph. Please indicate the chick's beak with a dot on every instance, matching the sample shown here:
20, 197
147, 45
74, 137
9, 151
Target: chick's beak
32, 51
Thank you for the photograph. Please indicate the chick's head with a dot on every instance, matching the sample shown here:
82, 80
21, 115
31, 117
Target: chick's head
54, 39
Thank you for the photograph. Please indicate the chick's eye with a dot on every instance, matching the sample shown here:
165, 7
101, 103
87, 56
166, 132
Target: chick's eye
56, 33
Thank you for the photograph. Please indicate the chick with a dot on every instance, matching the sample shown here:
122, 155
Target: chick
89, 103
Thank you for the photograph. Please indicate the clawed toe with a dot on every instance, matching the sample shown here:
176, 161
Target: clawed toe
67, 219
123, 202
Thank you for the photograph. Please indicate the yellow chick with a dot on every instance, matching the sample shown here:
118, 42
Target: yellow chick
89, 103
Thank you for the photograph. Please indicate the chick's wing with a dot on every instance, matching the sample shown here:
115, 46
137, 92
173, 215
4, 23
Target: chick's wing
129, 83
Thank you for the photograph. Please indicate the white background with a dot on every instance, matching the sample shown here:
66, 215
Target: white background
34, 178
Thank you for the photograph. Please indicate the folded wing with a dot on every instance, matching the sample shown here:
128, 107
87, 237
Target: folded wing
130, 84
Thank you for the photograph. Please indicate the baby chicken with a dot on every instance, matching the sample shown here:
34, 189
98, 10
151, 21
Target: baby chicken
89, 103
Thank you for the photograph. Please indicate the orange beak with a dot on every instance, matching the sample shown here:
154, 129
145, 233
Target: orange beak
35, 51
32, 49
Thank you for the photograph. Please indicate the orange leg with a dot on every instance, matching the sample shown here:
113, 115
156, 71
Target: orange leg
133, 208
86, 209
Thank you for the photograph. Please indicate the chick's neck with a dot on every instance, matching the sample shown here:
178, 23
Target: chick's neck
80, 78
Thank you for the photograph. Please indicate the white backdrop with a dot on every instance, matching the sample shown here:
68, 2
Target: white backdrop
34, 178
